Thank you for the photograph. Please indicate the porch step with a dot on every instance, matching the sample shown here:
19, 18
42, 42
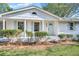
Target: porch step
53, 38
48, 38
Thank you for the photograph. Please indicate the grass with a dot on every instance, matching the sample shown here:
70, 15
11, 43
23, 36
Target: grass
59, 50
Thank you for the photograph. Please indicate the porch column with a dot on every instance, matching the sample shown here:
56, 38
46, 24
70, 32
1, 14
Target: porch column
43, 27
47, 26
4, 24
24, 28
57, 27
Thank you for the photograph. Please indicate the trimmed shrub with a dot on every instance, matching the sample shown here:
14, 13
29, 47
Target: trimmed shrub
65, 35
69, 35
1, 33
29, 34
9, 33
61, 35
40, 34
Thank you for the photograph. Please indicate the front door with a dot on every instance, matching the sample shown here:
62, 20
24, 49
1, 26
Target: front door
36, 26
50, 29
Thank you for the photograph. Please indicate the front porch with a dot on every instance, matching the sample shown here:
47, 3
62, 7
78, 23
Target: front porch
30, 25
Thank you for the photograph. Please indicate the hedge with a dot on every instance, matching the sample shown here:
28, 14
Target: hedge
65, 35
9, 33
40, 34
29, 34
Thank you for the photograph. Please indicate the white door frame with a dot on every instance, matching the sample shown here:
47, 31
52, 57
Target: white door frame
39, 25
51, 29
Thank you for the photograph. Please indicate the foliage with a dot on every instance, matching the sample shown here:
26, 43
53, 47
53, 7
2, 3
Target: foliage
29, 34
4, 7
17, 32
9, 33
74, 10
65, 35
60, 9
40, 34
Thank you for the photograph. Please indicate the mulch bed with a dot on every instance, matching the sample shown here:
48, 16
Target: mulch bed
36, 46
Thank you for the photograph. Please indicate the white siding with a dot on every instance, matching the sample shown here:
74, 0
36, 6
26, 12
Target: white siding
64, 28
29, 26
10, 24
61, 27
46, 26
28, 14
77, 28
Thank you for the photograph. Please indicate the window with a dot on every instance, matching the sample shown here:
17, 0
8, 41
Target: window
36, 26
71, 26
21, 25
1, 25
34, 13
50, 24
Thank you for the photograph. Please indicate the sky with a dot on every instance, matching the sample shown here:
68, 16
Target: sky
15, 6
21, 5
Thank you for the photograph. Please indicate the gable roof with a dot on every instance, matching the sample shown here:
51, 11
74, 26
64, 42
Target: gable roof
31, 8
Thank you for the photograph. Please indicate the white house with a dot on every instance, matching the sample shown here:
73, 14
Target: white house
36, 19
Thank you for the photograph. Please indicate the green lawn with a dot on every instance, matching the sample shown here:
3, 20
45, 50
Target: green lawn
65, 50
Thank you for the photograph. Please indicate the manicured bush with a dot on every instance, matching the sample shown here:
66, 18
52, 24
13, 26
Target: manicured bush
65, 35
69, 35
1, 33
29, 34
9, 33
40, 34
61, 35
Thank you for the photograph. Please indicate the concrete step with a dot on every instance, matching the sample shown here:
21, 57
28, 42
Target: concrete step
53, 38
